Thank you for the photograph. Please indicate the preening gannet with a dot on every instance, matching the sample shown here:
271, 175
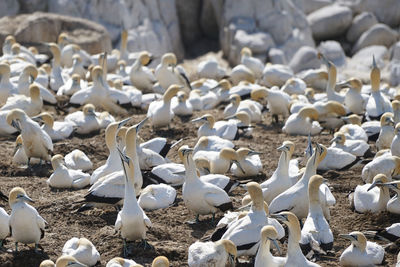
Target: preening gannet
78, 160
160, 112
361, 252
62, 177
57, 130
386, 133
157, 196
303, 123
388, 165
32, 105
36, 142
249, 163
83, 250
316, 233
200, 197
264, 256
294, 255
219, 253
26, 225
120, 262
67, 261
353, 130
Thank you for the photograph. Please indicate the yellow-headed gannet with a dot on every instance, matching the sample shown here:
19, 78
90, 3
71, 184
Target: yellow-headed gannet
219, 253
83, 250
278, 101
264, 256
386, 133
120, 262
78, 160
57, 130
32, 105
157, 196
303, 123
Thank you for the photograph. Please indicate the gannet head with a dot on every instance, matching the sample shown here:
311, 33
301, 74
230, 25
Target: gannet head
62, 39
207, 118
358, 239
259, 94
169, 59
224, 84
56, 161
313, 187
335, 107
320, 151
14, 117
10, 40
396, 105
89, 110
118, 84
308, 112
97, 73
171, 91
378, 180
47, 68
145, 58
76, 79
47, 263
353, 119
256, 195
397, 129
121, 64
182, 96
287, 146
339, 138
228, 154
310, 93
203, 142
184, 151
230, 248
242, 116
375, 76
235, 99
33, 50
34, 91
202, 163
332, 72
122, 262
67, 261
76, 58
269, 233
16, 48
354, 84
111, 131
160, 261
246, 52
18, 194
54, 49
31, 71
4, 70
244, 152
387, 119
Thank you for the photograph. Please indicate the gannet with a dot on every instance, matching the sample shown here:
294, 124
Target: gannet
388, 234
200, 197
250, 163
148, 158
252, 108
294, 255
167, 173
353, 130
43, 76
219, 253
32, 105
212, 143
386, 133
82, 250
57, 130
71, 86
276, 74
316, 230
195, 99
295, 198
245, 232
224, 129
182, 107
395, 145
294, 86
303, 122
367, 198
210, 69
6, 87
354, 100
157, 196
241, 73
160, 112
120, 262
337, 159
77, 67
389, 165
62, 177
26, 225
132, 222
167, 73
396, 111
278, 101
393, 205
330, 87
264, 256
358, 148
280, 180
78, 160
112, 164
253, 63
68, 50
36, 142
377, 103
4, 222
220, 162
140, 76
361, 252
56, 78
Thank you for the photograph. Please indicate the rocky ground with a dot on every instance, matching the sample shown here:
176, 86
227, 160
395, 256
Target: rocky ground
170, 235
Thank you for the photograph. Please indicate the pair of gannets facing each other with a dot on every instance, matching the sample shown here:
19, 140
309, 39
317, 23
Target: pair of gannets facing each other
201, 197
377, 103
160, 112
393, 204
88, 120
278, 101
63, 261
220, 253
26, 225
294, 256
82, 250
252, 108
361, 252
386, 133
264, 256
316, 234
131, 222
57, 130
78, 160
388, 165
62, 177
32, 105
303, 123
245, 232
36, 142
295, 198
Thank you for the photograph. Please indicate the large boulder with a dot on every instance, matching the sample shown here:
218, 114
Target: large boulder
305, 58
334, 52
379, 34
386, 11
41, 27
330, 21
361, 23
312, 5
9, 7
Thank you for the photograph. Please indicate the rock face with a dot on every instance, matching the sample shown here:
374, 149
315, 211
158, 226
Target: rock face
333, 51
330, 21
361, 23
41, 27
386, 11
305, 58
8, 7
379, 34
279, 24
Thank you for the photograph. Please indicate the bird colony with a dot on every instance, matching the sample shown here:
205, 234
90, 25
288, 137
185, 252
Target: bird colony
252, 166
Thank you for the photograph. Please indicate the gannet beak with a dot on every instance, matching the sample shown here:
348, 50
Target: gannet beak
333, 139
186, 150
276, 245
215, 87
76, 264
140, 124
245, 207
123, 156
198, 119
239, 165
391, 121
343, 84
252, 152
374, 184
279, 217
231, 117
282, 148
179, 173
26, 198
347, 236
15, 125
324, 181
92, 113
123, 122
37, 118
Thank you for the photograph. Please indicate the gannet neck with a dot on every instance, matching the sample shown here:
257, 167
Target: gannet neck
130, 194
375, 78
124, 41
111, 132
294, 239
384, 195
311, 169
190, 168
332, 73
131, 142
256, 195
283, 165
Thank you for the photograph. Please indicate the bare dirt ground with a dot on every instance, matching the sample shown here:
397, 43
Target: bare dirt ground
170, 235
